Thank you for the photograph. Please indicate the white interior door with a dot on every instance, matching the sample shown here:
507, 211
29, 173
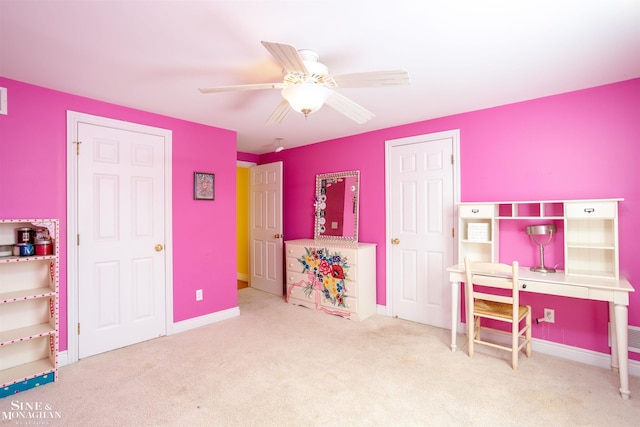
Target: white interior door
121, 234
265, 228
420, 213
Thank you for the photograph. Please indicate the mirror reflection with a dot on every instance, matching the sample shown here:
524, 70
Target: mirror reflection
337, 206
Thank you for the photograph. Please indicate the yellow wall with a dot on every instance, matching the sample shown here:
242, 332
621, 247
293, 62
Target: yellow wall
242, 222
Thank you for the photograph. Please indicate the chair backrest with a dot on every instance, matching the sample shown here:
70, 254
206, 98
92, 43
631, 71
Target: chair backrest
491, 276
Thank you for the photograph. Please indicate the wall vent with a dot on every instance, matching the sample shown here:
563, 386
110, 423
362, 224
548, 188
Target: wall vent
633, 337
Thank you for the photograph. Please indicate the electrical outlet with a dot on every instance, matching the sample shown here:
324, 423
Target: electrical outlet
549, 315
199, 295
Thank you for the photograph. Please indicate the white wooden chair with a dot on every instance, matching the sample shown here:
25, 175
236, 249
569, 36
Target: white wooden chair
485, 301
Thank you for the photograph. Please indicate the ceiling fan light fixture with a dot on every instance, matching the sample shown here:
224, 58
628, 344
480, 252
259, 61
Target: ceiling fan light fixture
306, 98
307, 85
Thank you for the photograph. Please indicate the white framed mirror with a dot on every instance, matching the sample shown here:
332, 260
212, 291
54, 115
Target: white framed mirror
336, 206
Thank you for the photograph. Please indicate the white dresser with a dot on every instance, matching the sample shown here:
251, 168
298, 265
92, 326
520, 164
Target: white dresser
333, 277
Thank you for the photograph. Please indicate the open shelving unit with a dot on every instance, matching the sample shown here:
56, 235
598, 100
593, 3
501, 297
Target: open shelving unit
29, 324
477, 246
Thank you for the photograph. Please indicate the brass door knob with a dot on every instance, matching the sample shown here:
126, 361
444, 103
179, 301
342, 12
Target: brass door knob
159, 247
278, 236
395, 241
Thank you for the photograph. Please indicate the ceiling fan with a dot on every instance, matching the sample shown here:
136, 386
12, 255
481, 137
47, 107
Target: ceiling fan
307, 84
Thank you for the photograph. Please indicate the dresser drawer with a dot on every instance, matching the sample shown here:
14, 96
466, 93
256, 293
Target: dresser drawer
294, 250
347, 262
554, 289
301, 293
591, 210
294, 265
295, 277
476, 211
297, 251
350, 304
351, 288
348, 254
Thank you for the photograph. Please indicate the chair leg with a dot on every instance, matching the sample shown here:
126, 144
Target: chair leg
471, 321
528, 334
515, 326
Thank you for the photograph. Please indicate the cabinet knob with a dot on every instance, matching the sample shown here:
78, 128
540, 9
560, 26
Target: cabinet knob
524, 286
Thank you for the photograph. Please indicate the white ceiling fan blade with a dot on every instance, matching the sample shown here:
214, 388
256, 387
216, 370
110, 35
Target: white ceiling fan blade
235, 88
287, 56
349, 108
373, 78
280, 112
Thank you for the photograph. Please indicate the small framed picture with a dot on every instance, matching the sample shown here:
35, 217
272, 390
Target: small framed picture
204, 186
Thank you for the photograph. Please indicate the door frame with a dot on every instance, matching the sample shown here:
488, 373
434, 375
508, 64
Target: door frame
454, 134
73, 119
241, 276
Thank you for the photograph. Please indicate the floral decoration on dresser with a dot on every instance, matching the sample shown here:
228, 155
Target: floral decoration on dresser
327, 273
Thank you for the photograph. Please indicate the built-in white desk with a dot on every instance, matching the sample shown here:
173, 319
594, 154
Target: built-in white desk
615, 292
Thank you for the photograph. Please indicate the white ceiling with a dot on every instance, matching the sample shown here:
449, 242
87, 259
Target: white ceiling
462, 55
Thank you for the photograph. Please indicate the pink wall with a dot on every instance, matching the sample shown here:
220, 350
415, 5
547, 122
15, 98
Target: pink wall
583, 144
35, 129
247, 157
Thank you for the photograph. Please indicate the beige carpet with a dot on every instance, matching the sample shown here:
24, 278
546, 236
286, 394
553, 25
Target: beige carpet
283, 365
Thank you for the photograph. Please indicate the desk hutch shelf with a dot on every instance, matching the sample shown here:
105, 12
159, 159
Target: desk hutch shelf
590, 228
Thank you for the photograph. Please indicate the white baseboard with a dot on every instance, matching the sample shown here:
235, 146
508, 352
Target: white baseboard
63, 360
196, 322
575, 354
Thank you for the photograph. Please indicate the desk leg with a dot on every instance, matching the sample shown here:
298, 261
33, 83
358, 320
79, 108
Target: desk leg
621, 318
455, 302
614, 338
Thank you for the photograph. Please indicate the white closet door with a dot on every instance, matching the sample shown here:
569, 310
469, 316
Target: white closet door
266, 232
121, 257
421, 209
